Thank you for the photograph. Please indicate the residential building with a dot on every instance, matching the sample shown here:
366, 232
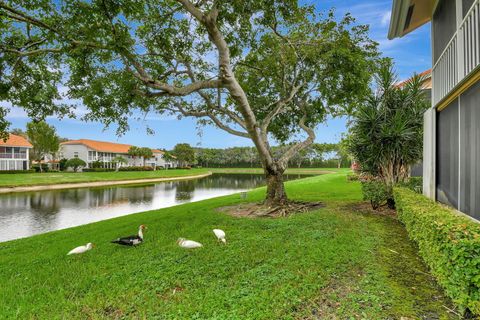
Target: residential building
14, 153
105, 152
452, 125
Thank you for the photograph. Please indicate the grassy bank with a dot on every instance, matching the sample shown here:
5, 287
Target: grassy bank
306, 171
49, 178
335, 263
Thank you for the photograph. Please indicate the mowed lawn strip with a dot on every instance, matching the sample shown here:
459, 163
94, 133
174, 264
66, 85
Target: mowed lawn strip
334, 263
49, 178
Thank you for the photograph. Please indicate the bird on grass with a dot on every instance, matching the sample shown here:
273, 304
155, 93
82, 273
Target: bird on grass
132, 240
188, 244
220, 234
81, 249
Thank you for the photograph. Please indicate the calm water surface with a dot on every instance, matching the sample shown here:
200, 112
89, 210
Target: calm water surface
26, 214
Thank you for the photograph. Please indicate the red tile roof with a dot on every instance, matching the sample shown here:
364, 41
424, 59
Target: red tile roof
427, 83
16, 141
104, 146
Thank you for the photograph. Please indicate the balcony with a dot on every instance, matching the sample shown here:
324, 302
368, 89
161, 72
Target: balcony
10, 155
460, 57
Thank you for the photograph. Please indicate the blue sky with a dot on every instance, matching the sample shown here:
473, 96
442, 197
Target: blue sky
411, 54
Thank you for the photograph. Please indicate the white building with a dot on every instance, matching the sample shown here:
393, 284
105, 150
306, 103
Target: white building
14, 153
91, 151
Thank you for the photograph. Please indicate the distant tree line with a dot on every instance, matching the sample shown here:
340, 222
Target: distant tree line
317, 155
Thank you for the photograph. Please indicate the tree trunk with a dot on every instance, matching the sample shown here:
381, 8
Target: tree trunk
276, 195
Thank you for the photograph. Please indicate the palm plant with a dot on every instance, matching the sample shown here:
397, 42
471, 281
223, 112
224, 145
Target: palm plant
119, 160
385, 135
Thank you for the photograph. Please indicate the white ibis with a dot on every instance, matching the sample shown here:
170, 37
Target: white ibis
188, 244
220, 234
132, 240
81, 249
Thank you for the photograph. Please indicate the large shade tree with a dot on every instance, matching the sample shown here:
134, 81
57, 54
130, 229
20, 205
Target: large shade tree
258, 69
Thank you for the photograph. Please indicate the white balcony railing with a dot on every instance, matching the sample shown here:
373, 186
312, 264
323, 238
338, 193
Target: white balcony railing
460, 57
471, 38
10, 155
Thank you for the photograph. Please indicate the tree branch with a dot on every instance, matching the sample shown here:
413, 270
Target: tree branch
215, 120
301, 145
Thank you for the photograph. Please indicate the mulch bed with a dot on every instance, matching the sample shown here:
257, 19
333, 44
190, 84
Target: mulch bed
258, 210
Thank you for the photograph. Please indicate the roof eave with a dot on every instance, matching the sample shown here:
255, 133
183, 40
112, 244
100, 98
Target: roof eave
397, 18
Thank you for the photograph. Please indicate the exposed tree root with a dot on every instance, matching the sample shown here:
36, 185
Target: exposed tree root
259, 210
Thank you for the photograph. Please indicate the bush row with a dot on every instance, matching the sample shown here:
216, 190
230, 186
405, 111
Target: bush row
97, 170
17, 171
146, 168
448, 242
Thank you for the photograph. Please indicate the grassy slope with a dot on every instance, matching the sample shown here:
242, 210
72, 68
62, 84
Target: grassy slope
29, 179
332, 263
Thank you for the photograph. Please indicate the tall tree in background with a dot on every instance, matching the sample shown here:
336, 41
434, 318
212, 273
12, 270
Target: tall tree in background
44, 139
184, 153
19, 132
257, 69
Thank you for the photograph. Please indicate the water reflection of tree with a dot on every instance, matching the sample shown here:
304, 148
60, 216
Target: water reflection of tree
185, 189
44, 204
231, 181
137, 194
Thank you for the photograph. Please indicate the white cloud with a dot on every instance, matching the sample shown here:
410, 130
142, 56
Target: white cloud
386, 18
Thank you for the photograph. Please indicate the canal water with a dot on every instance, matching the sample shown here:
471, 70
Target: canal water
29, 213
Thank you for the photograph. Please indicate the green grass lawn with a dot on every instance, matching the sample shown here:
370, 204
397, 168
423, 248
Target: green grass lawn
339, 262
48, 178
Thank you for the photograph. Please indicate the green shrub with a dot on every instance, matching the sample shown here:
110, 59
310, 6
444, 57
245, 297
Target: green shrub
97, 170
45, 167
353, 177
17, 171
75, 163
414, 184
96, 165
448, 242
62, 164
146, 168
376, 192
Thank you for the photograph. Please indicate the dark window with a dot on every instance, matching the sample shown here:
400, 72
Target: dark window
447, 155
466, 5
470, 151
444, 26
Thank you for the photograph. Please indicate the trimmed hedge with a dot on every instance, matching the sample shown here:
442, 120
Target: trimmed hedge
17, 171
448, 242
97, 170
146, 168
414, 184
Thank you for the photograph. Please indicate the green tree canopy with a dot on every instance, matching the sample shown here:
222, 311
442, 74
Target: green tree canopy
254, 68
44, 139
184, 153
75, 163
